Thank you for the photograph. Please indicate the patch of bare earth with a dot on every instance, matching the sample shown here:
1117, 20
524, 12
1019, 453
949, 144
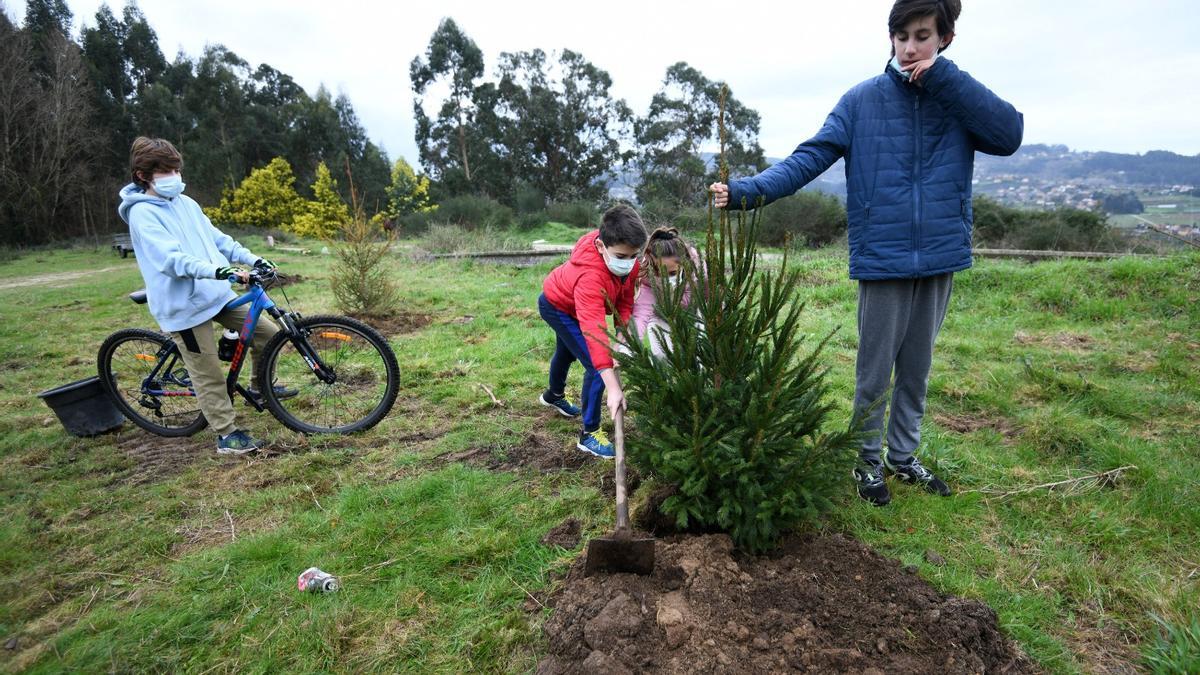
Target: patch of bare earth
1063, 341
537, 451
395, 324
565, 535
969, 423
820, 604
156, 458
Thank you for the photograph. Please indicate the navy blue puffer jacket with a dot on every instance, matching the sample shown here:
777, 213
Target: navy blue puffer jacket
910, 154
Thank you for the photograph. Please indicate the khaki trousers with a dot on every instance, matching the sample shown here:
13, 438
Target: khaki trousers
198, 347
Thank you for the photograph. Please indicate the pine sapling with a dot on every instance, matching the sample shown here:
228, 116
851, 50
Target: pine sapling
734, 415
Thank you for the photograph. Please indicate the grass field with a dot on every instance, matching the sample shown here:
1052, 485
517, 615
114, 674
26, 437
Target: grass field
127, 553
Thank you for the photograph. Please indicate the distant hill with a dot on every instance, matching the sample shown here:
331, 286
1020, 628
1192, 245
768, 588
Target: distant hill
1056, 163
1043, 164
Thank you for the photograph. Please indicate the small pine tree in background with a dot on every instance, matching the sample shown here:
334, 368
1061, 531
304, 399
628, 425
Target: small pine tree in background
266, 198
362, 284
326, 214
733, 416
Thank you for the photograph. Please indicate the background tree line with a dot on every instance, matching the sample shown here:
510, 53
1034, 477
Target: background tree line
541, 139
71, 105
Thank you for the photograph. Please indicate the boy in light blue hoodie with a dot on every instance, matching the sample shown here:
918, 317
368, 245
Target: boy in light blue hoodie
186, 263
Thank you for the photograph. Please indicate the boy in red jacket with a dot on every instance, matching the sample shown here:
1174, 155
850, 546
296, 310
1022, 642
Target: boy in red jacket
601, 273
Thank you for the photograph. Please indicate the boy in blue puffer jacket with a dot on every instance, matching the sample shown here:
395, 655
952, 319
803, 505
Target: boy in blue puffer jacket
909, 137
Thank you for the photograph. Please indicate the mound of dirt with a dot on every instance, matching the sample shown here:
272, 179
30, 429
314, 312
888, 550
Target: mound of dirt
824, 604
566, 534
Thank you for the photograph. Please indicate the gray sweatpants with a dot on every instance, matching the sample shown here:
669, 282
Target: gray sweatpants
898, 322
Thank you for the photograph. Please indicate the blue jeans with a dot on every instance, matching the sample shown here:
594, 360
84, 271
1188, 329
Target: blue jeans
569, 347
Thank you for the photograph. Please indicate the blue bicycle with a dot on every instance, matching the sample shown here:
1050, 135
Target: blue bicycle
331, 374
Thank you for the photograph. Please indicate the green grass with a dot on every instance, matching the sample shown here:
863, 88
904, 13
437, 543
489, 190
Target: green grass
1043, 373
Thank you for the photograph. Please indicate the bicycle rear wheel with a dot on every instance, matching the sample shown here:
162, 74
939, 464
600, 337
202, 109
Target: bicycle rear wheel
162, 405
365, 368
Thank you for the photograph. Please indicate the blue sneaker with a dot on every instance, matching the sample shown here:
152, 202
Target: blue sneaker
596, 442
562, 405
281, 393
237, 443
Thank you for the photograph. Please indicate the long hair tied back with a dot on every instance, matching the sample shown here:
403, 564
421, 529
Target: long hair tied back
665, 242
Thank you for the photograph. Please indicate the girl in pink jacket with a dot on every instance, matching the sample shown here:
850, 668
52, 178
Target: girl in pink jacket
664, 255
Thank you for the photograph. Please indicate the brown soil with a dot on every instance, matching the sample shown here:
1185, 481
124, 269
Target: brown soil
825, 604
395, 324
1065, 341
970, 423
566, 534
157, 458
538, 452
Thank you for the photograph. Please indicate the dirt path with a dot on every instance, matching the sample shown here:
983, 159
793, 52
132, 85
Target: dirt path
54, 278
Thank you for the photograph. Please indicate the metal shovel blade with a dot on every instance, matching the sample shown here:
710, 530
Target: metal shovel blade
620, 552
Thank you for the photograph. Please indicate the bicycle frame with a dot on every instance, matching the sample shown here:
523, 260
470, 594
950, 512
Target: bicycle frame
259, 302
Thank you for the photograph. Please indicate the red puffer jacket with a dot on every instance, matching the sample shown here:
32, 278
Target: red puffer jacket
582, 288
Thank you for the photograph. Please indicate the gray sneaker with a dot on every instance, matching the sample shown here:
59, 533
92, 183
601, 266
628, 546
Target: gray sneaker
237, 443
871, 487
912, 472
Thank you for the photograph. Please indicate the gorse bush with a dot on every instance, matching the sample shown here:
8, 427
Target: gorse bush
408, 192
733, 414
326, 214
811, 219
266, 198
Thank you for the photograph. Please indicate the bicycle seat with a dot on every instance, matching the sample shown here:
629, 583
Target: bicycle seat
138, 297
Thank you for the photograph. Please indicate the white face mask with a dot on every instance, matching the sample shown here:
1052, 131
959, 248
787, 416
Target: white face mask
617, 266
673, 280
169, 186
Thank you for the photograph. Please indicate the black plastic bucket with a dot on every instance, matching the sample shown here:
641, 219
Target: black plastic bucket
83, 407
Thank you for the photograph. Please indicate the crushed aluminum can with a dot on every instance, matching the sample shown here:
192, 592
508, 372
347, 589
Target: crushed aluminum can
313, 580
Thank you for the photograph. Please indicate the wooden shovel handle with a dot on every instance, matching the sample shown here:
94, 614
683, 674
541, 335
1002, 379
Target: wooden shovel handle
622, 500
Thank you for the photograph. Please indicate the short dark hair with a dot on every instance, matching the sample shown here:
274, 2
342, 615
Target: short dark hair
905, 11
622, 225
149, 156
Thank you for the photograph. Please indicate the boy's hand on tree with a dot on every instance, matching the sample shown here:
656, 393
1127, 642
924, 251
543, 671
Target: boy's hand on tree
720, 194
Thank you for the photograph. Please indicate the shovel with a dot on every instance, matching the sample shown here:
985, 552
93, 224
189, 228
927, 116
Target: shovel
620, 552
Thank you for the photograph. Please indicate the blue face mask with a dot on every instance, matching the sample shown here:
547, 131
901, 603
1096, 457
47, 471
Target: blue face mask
169, 187
895, 65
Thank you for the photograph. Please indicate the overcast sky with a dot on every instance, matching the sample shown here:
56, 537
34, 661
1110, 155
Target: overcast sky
1094, 75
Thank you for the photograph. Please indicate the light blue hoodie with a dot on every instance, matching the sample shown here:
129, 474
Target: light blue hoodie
178, 252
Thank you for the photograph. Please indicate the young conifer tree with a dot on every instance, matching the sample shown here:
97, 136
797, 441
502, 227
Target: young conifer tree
734, 415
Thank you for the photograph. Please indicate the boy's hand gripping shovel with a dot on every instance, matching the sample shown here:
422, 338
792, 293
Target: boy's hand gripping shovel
620, 552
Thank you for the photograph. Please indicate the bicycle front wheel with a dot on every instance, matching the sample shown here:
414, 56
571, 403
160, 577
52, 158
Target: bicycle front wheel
367, 377
145, 376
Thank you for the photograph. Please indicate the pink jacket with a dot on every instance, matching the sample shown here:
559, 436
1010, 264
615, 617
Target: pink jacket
645, 302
